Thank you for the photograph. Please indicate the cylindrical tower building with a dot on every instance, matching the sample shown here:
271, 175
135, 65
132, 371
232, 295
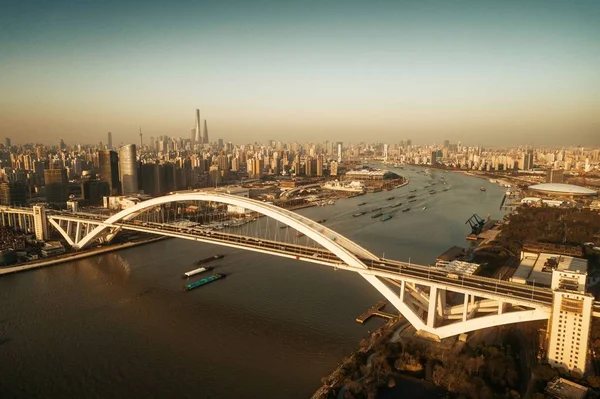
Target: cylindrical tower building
128, 169
108, 162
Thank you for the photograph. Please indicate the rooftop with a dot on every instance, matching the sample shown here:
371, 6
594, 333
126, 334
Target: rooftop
565, 389
537, 267
562, 188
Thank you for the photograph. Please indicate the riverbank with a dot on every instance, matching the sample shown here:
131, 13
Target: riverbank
75, 256
333, 383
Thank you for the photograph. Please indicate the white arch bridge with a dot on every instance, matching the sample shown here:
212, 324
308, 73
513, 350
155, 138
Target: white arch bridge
420, 293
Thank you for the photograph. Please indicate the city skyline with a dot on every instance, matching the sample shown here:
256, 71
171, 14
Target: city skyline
486, 73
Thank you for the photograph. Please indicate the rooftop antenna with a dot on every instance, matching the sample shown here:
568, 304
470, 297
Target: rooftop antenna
141, 142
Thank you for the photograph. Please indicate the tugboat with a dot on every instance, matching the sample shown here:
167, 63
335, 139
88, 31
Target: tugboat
482, 188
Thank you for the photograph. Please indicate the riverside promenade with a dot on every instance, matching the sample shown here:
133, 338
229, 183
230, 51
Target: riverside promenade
74, 256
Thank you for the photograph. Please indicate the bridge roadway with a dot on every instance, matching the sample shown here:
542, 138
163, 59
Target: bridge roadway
512, 292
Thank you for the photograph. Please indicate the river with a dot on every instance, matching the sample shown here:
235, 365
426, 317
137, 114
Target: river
118, 325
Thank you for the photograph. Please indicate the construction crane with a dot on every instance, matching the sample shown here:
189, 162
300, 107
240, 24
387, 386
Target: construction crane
476, 223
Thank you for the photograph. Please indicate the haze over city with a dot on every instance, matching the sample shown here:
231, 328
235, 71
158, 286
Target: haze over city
491, 73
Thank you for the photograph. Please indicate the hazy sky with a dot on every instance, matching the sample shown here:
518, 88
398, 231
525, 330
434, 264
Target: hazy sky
514, 72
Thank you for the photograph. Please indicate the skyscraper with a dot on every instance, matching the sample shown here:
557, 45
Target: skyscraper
128, 169
109, 170
205, 135
109, 140
7, 142
197, 132
528, 160
57, 186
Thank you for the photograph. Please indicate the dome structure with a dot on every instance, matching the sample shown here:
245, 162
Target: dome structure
562, 189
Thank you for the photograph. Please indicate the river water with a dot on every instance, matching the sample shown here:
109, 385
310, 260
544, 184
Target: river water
118, 325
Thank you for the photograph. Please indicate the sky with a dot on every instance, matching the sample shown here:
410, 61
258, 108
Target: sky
480, 72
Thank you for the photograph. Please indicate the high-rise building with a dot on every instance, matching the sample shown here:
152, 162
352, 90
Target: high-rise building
7, 142
528, 160
197, 128
93, 191
555, 176
320, 165
205, 135
109, 170
570, 322
57, 186
13, 193
333, 168
433, 157
128, 169
110, 140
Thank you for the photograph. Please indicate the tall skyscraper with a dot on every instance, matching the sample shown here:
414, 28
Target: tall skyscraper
7, 142
109, 170
197, 128
128, 169
109, 140
57, 186
205, 135
528, 160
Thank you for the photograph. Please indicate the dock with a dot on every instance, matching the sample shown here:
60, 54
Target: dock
374, 311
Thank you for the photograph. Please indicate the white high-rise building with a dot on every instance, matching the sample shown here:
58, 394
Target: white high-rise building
570, 322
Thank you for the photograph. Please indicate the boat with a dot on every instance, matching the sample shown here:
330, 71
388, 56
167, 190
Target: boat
397, 205
482, 188
411, 196
424, 207
432, 192
386, 217
214, 257
196, 271
406, 210
357, 214
375, 209
390, 198
445, 189
412, 200
362, 203
413, 191
204, 281
321, 220
375, 216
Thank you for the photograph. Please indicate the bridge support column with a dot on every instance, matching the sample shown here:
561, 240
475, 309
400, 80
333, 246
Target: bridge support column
500, 307
465, 307
432, 307
441, 302
402, 291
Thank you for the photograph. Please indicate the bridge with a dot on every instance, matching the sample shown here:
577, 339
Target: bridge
437, 303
